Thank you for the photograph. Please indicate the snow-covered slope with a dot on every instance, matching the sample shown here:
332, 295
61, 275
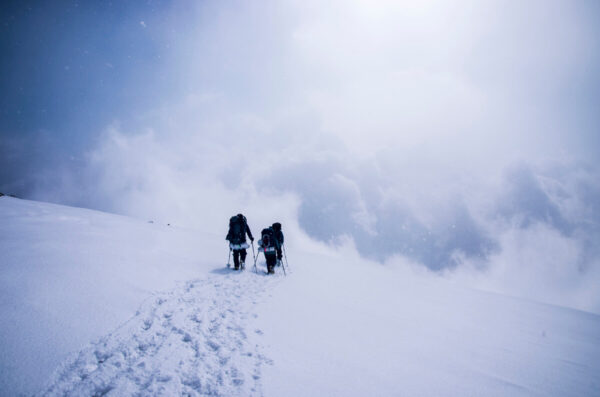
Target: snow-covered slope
70, 275
341, 329
98, 304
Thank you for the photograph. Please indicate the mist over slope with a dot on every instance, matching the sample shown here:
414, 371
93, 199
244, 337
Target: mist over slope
532, 230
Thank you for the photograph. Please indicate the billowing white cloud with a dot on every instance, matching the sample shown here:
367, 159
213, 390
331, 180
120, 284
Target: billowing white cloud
447, 135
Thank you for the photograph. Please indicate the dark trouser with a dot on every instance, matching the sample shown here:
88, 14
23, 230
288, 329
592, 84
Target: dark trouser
271, 260
279, 255
236, 257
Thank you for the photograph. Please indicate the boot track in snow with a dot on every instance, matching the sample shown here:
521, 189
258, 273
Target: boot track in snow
192, 341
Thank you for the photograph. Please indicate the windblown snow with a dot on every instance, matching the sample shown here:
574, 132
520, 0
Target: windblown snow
99, 304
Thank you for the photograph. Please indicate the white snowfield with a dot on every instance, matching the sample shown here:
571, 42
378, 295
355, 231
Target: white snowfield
97, 304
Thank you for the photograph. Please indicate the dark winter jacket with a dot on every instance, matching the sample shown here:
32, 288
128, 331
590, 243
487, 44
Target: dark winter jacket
278, 233
279, 237
238, 221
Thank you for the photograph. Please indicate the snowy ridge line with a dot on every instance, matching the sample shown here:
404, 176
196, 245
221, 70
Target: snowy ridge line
191, 341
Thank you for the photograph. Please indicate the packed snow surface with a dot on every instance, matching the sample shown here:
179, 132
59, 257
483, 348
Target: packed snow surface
99, 304
190, 341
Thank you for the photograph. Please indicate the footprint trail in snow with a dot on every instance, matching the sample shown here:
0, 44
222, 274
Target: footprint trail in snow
192, 341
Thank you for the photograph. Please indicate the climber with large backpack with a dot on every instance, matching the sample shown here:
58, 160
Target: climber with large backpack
269, 245
238, 228
279, 236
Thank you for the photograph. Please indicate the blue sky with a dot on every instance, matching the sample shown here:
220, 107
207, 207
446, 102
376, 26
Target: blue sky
69, 68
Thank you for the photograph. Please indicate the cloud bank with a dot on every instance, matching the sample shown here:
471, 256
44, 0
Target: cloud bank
462, 139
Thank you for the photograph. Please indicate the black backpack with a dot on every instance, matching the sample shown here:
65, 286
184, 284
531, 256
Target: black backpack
268, 238
237, 229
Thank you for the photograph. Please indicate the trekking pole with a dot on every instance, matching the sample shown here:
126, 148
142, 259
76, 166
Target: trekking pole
255, 257
285, 256
283, 267
229, 258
